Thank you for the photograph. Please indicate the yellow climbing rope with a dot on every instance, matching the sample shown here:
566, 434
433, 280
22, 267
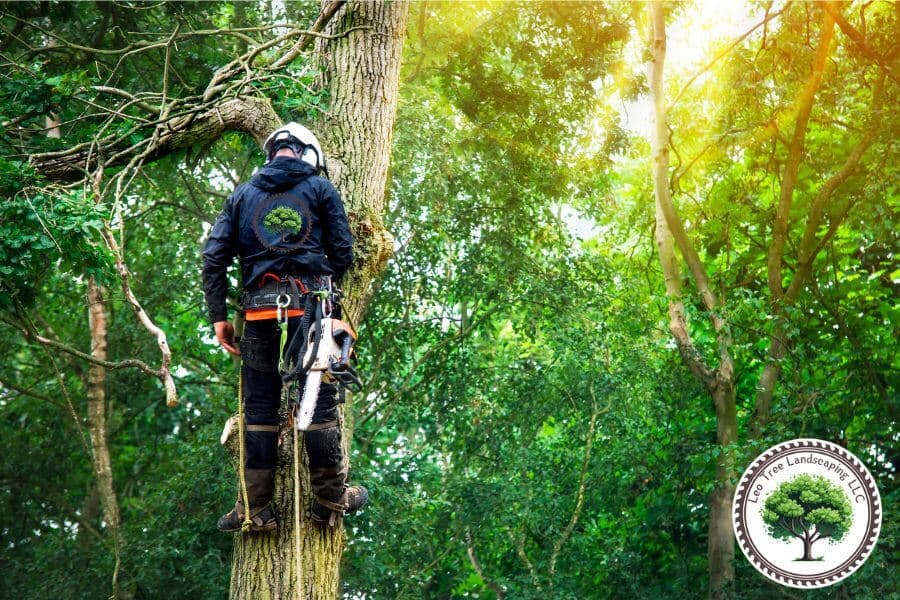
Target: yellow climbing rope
245, 525
296, 502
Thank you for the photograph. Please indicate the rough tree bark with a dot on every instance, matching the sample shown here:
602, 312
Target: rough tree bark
361, 72
719, 381
362, 75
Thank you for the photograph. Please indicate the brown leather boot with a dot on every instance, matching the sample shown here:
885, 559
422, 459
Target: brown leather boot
325, 512
260, 489
328, 477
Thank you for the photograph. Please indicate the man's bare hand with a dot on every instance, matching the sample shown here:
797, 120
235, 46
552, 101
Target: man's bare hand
225, 335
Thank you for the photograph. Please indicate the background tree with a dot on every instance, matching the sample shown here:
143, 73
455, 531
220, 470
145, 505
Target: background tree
809, 508
793, 219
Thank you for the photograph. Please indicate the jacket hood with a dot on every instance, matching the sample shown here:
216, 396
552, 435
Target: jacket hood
282, 173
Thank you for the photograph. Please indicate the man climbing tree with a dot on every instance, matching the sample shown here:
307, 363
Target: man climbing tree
276, 272
145, 123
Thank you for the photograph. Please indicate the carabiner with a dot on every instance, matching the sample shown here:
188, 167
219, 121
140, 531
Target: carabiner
281, 303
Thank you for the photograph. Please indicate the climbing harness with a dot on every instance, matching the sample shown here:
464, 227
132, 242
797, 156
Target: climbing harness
321, 347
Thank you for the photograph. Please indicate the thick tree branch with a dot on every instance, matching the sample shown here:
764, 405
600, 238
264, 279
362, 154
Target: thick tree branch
251, 115
859, 39
808, 244
810, 247
795, 153
225, 106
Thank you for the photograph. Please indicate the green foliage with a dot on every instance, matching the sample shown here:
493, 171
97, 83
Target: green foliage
808, 504
41, 233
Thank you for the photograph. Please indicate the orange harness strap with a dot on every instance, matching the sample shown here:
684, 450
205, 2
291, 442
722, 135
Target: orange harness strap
261, 314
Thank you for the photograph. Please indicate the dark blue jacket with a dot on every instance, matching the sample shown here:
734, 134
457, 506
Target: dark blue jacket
286, 220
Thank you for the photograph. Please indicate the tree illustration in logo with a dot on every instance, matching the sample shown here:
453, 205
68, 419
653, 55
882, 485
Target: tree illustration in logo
283, 220
809, 508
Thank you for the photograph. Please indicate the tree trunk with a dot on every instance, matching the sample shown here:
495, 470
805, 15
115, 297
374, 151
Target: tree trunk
362, 74
807, 548
720, 545
719, 382
265, 565
96, 400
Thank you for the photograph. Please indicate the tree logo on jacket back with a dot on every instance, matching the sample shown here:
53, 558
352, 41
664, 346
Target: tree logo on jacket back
807, 513
282, 223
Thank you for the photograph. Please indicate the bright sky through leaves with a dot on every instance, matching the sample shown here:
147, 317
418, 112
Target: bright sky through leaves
693, 38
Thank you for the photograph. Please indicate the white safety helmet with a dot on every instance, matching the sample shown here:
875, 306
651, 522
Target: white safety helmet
300, 139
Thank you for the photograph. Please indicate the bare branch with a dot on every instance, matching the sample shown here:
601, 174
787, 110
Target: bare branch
321, 21
164, 374
27, 392
28, 332
579, 496
105, 89
470, 550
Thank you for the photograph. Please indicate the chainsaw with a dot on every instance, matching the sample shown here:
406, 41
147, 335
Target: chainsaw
328, 352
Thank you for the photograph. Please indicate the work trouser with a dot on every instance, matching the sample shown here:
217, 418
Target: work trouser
262, 398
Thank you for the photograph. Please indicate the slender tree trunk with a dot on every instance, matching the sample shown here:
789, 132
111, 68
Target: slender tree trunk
719, 382
720, 545
361, 72
96, 399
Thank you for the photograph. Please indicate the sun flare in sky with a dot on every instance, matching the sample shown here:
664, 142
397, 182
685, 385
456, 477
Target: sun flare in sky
692, 39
